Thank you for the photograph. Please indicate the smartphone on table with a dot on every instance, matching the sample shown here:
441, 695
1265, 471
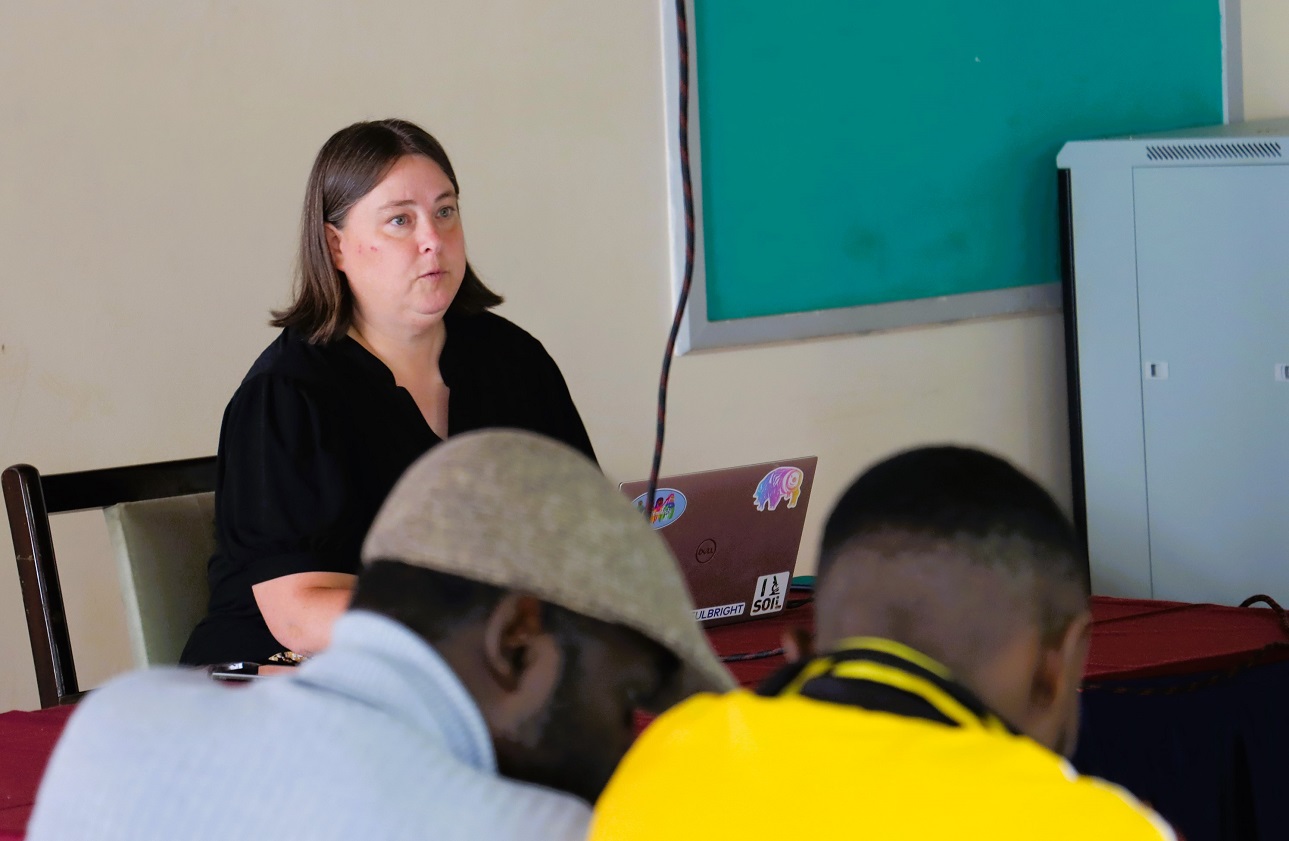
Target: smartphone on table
237, 671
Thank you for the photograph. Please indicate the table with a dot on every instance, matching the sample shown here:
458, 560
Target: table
1131, 639
1184, 705
26, 740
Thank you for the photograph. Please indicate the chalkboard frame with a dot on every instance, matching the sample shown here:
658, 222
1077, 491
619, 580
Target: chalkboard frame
700, 333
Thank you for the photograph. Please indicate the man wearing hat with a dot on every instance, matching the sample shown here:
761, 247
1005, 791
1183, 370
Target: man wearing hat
513, 612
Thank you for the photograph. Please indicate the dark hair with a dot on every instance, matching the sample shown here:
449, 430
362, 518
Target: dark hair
994, 514
349, 165
433, 604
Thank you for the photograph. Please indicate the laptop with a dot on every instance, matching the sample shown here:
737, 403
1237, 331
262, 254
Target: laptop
735, 533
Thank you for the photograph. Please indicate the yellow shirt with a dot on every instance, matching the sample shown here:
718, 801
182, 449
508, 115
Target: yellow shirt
746, 767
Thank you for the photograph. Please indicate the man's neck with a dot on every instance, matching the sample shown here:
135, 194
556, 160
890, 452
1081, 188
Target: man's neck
882, 675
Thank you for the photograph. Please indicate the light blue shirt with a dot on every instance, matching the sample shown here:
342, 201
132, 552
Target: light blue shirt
374, 738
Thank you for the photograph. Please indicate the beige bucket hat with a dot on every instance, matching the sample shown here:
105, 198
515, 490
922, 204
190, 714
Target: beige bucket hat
523, 512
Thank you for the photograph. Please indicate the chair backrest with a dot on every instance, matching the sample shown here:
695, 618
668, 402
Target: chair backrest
162, 547
29, 500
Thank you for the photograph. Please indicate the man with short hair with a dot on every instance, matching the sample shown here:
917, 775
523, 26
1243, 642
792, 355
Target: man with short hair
513, 612
952, 610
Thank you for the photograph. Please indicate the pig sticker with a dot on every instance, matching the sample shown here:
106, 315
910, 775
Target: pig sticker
779, 484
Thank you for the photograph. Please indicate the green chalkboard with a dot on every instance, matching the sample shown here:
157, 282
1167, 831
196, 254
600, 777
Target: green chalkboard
857, 152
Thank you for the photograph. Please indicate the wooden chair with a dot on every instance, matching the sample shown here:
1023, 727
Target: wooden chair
29, 500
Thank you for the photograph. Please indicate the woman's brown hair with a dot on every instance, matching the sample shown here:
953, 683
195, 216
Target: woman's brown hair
348, 167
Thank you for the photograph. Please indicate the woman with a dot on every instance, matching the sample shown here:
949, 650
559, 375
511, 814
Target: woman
387, 349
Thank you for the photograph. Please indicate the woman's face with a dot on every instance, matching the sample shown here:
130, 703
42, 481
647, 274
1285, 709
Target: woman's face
402, 249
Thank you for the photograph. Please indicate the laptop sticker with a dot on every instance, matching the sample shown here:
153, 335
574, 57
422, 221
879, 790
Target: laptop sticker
722, 612
779, 484
668, 505
770, 594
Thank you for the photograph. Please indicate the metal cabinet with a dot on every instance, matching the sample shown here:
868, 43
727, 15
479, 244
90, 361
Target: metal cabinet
1177, 318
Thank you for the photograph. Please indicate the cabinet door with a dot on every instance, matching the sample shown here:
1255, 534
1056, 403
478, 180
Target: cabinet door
1213, 294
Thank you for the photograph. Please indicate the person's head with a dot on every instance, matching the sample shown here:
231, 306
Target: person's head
558, 690
956, 553
548, 595
380, 236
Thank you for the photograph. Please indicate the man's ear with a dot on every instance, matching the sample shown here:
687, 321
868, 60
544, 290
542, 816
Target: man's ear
524, 662
333, 246
1057, 677
508, 635
798, 645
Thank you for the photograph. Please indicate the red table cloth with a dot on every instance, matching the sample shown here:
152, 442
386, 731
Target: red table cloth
1131, 638
26, 740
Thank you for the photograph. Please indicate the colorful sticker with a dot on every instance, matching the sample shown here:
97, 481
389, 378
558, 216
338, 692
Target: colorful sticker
722, 612
668, 505
771, 593
779, 484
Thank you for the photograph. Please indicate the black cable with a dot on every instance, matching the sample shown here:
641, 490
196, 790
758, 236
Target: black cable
753, 655
682, 34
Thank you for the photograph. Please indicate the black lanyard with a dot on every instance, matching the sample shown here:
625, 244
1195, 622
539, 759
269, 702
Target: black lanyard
885, 676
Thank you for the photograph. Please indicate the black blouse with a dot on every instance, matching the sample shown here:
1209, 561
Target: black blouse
314, 439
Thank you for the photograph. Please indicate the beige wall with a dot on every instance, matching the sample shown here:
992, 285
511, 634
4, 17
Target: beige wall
1265, 26
152, 159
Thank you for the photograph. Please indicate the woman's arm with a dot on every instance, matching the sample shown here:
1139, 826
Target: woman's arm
301, 608
285, 508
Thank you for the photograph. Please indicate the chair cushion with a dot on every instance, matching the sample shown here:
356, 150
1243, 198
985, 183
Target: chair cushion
162, 547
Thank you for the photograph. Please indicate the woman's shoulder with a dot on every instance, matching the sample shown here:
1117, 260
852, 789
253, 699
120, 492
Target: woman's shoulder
293, 371
290, 356
337, 366
489, 329
490, 353
487, 345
